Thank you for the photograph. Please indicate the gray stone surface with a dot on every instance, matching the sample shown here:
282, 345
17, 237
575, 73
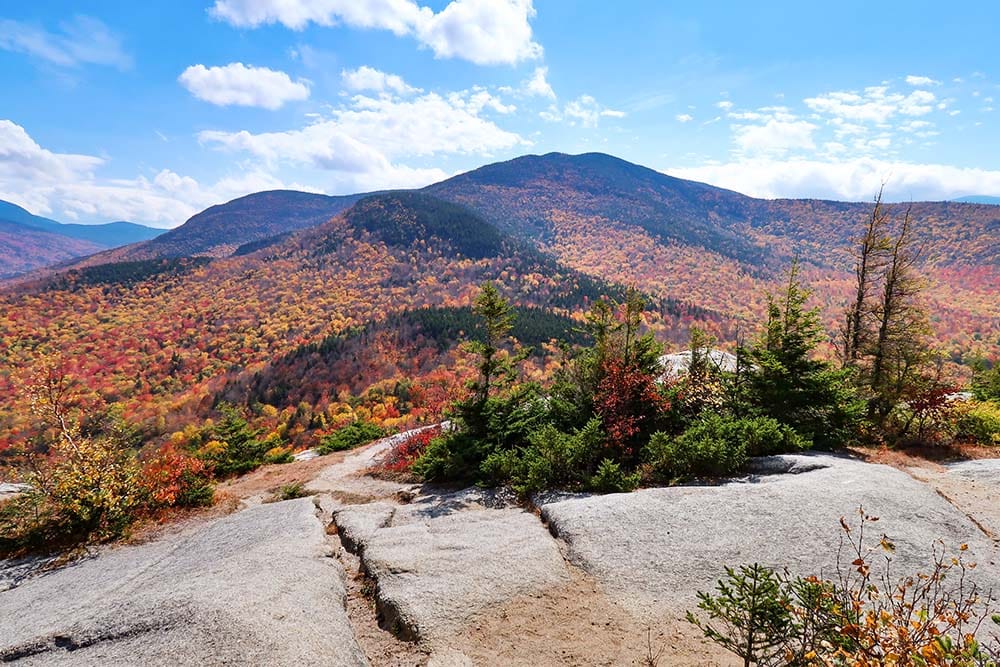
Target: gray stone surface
252, 588
8, 490
652, 550
986, 471
439, 561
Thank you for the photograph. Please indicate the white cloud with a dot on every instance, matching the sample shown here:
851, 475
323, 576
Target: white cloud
684, 117
363, 141
584, 111
67, 186
81, 40
538, 85
369, 78
485, 32
775, 136
874, 105
243, 85
918, 81
725, 105
852, 180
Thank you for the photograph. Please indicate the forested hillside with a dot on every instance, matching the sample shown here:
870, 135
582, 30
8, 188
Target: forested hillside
316, 318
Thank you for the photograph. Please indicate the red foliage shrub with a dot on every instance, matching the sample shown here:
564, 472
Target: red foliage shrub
629, 403
402, 456
176, 478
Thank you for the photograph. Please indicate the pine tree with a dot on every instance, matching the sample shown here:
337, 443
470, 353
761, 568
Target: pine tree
788, 382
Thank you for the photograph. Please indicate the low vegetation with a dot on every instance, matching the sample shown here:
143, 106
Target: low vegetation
351, 436
862, 616
611, 419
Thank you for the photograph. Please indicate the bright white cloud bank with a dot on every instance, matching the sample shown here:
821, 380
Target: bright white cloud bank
363, 142
486, 32
66, 185
243, 85
850, 180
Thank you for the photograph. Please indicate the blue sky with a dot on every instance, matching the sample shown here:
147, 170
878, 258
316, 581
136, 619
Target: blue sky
153, 111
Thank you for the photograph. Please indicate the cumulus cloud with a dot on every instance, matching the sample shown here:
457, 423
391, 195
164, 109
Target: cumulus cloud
243, 85
684, 118
775, 136
538, 84
369, 78
875, 104
850, 179
80, 40
921, 81
364, 141
485, 32
67, 185
584, 111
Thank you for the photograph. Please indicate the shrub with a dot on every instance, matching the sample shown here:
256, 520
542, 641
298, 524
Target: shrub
279, 454
717, 445
551, 459
610, 478
175, 478
292, 491
353, 435
403, 455
236, 448
928, 619
83, 489
978, 421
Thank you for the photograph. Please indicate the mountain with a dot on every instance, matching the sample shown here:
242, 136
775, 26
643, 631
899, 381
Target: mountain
29, 242
530, 195
221, 230
979, 199
719, 249
674, 239
392, 278
107, 235
24, 248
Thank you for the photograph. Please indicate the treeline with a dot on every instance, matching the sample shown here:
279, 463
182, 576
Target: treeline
124, 274
611, 419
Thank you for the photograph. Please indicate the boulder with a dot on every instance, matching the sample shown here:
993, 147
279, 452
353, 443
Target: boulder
253, 588
652, 550
443, 559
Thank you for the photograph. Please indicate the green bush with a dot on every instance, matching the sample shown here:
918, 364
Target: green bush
979, 422
454, 455
196, 490
718, 445
552, 459
236, 448
292, 491
353, 435
610, 478
279, 454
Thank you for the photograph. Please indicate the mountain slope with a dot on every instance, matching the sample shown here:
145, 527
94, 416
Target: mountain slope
107, 235
165, 336
683, 240
978, 199
219, 230
24, 248
524, 196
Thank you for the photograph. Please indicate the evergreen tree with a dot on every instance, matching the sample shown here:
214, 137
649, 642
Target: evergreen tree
243, 451
787, 382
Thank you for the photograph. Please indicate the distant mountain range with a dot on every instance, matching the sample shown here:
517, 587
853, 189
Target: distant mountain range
289, 297
979, 199
29, 241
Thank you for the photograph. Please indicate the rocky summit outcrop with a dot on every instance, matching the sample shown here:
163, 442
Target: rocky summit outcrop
652, 550
252, 588
473, 577
441, 560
